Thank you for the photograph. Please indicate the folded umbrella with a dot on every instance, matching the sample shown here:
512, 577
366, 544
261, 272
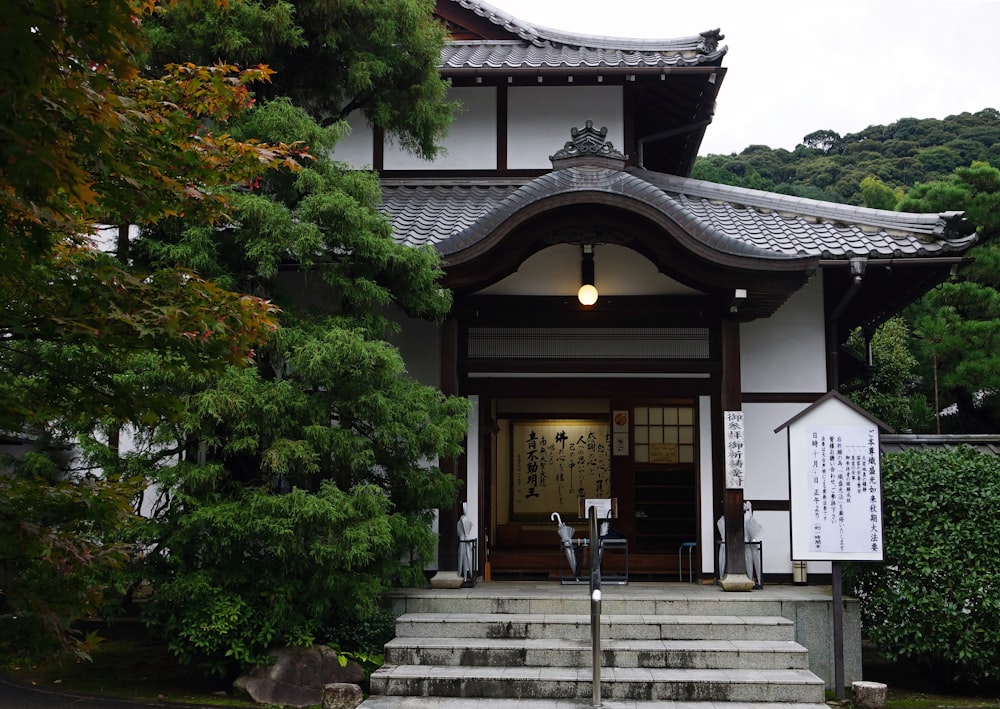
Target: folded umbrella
566, 535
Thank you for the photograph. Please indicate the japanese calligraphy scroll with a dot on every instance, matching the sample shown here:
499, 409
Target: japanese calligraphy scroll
837, 496
555, 462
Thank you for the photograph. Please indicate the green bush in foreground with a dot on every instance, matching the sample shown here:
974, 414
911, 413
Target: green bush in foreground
936, 599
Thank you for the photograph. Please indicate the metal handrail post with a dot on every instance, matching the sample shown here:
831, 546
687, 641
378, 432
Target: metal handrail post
595, 603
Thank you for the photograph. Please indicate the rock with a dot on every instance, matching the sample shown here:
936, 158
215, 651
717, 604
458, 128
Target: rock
342, 696
446, 579
868, 695
736, 582
297, 676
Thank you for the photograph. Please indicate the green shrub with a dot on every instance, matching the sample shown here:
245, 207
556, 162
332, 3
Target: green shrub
935, 600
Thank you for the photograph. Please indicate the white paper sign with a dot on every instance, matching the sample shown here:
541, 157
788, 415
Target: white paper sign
602, 506
734, 444
839, 495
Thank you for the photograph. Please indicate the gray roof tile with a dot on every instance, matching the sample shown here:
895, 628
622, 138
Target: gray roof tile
494, 54
543, 47
728, 219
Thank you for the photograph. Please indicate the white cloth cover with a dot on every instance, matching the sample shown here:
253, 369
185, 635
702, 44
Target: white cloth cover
752, 529
465, 533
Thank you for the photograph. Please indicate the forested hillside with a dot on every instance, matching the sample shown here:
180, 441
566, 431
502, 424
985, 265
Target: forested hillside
832, 167
943, 354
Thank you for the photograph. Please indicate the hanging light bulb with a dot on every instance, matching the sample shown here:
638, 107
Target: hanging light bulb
587, 295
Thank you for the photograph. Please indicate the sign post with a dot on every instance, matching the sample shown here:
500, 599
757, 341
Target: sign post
836, 495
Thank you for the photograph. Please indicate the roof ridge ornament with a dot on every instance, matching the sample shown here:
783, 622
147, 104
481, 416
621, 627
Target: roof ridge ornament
710, 41
589, 146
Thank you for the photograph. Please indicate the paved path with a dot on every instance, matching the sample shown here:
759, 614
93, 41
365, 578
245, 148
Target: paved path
14, 695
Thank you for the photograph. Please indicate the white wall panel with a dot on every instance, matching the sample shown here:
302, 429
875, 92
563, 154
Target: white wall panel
706, 495
471, 140
787, 352
540, 118
775, 538
618, 270
356, 148
767, 451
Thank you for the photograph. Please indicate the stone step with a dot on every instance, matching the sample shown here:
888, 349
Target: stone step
576, 602
519, 652
577, 627
636, 684
383, 702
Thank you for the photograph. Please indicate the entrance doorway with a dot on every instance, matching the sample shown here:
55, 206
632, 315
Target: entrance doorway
544, 454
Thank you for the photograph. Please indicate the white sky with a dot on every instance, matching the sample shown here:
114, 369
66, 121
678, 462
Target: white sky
795, 66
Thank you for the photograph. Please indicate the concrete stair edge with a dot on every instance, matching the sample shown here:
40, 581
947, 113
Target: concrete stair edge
390, 702
617, 683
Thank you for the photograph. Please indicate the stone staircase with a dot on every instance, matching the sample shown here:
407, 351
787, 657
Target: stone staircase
494, 649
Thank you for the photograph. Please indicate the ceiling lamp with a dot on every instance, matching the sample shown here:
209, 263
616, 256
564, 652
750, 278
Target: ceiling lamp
587, 295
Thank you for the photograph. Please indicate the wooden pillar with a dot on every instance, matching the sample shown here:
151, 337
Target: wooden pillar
735, 578
448, 517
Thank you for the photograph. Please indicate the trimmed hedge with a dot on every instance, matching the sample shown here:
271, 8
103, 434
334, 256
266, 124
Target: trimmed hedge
935, 601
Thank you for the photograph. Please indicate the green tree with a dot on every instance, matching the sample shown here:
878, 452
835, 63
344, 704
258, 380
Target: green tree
878, 195
84, 137
829, 166
307, 484
823, 141
959, 322
332, 59
890, 392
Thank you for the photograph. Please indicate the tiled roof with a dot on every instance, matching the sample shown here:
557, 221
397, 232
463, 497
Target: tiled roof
736, 221
795, 225
496, 54
900, 443
431, 213
542, 47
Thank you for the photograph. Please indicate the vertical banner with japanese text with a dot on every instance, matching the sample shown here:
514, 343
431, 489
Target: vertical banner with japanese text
735, 450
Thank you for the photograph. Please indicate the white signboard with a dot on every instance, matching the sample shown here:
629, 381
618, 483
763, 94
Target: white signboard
837, 494
735, 448
602, 507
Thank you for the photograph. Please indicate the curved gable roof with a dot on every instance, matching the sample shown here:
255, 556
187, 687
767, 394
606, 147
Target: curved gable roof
588, 185
457, 218
711, 237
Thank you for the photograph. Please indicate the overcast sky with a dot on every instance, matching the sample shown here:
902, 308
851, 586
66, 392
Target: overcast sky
795, 66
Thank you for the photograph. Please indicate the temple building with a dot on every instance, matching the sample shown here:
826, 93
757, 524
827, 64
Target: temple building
610, 310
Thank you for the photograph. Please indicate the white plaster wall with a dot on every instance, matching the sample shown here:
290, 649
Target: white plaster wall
775, 538
767, 451
356, 148
471, 140
472, 466
787, 352
617, 271
539, 119
706, 495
